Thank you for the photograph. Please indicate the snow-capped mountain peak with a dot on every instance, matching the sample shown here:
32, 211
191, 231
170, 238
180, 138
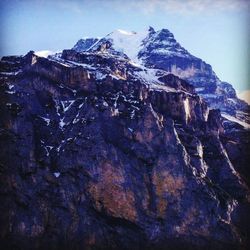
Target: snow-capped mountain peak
159, 50
135, 45
126, 43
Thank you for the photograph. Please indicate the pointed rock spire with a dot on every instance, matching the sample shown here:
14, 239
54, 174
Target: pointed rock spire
151, 29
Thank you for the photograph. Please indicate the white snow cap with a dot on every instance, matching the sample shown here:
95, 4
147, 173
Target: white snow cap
44, 53
128, 42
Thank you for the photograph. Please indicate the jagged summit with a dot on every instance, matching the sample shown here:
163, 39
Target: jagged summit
151, 29
134, 44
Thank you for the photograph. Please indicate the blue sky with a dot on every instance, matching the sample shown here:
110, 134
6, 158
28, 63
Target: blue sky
215, 30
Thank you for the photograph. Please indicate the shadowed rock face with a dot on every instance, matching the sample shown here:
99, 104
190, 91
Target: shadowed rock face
85, 44
92, 157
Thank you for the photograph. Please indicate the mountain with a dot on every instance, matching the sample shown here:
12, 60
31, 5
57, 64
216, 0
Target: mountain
101, 149
160, 50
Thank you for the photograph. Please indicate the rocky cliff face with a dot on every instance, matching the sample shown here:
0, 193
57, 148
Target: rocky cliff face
98, 153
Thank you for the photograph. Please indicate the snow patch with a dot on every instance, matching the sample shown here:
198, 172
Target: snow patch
159, 87
10, 86
114, 112
100, 76
10, 92
84, 65
130, 129
80, 106
57, 174
47, 148
11, 89
62, 123
47, 120
236, 120
44, 53
105, 104
199, 89
76, 119
148, 75
11, 73
67, 104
